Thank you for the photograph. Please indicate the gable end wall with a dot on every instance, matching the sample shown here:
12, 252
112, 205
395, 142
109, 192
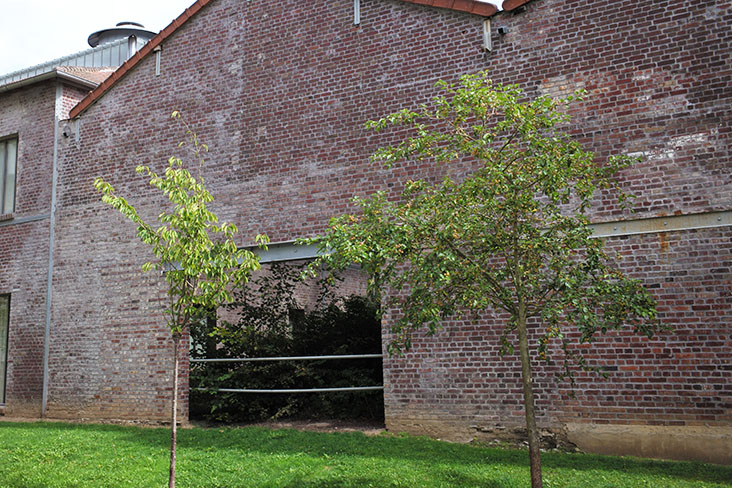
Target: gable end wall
280, 92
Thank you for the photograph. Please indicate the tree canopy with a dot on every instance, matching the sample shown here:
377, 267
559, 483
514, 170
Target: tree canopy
505, 229
198, 255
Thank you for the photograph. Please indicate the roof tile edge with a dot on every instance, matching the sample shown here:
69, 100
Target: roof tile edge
179, 21
509, 5
469, 6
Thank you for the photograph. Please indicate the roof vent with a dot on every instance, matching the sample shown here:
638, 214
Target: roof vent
129, 30
134, 24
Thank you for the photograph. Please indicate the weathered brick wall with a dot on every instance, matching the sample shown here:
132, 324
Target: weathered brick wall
28, 114
265, 86
69, 97
682, 377
280, 91
679, 378
657, 77
657, 92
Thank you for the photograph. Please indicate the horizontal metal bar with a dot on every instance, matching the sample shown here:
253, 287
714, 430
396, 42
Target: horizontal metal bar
287, 358
293, 390
285, 251
24, 220
663, 224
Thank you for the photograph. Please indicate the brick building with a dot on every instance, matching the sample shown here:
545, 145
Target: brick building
32, 102
280, 92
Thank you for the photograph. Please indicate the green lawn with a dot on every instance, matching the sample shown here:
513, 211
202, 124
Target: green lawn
45, 455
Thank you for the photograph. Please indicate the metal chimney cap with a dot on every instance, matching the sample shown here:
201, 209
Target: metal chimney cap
120, 31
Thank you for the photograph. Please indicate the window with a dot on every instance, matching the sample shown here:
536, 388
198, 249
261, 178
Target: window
8, 157
4, 321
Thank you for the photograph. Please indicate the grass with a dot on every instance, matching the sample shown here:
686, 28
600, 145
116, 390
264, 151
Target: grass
54, 455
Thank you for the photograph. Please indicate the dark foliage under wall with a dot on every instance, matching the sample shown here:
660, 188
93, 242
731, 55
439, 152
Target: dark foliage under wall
267, 320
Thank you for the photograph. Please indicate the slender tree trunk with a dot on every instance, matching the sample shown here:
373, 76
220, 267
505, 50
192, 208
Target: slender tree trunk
174, 415
534, 455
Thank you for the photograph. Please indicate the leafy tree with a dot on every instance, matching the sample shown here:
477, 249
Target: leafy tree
510, 233
198, 255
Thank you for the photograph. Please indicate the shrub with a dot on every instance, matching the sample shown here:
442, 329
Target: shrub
268, 319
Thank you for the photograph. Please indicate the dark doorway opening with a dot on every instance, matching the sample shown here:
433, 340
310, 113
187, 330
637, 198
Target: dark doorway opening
320, 341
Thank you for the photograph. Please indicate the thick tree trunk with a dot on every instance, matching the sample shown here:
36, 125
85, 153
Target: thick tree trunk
174, 415
534, 455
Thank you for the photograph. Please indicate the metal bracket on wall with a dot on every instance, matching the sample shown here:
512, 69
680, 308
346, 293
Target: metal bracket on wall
158, 50
487, 43
663, 224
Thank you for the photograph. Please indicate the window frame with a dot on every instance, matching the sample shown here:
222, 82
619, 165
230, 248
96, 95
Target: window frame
4, 164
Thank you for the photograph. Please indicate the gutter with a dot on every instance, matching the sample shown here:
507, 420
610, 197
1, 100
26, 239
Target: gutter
74, 80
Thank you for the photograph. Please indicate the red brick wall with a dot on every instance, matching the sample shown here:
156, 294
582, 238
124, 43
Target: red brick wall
680, 378
656, 91
288, 150
70, 96
28, 113
280, 91
657, 82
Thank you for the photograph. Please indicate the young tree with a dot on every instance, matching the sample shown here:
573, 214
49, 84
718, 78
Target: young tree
511, 234
198, 256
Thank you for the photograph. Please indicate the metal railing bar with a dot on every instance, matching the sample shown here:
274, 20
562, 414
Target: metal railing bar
287, 358
295, 390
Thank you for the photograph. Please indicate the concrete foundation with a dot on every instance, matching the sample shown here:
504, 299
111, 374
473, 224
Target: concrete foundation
709, 444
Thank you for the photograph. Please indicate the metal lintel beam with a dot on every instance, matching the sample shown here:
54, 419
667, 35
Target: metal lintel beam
663, 224
285, 251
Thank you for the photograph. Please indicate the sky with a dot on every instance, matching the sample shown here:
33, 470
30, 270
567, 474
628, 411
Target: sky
36, 31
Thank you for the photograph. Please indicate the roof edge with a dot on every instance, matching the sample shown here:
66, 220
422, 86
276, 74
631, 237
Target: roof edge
78, 80
469, 6
49, 66
49, 75
509, 5
137, 57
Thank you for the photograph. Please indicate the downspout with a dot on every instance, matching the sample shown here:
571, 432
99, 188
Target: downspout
49, 284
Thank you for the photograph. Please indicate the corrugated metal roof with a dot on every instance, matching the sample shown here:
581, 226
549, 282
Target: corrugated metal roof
112, 54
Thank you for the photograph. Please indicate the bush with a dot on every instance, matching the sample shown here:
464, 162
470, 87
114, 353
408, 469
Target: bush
270, 322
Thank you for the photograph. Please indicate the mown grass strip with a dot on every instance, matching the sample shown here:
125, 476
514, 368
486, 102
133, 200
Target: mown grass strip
55, 455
